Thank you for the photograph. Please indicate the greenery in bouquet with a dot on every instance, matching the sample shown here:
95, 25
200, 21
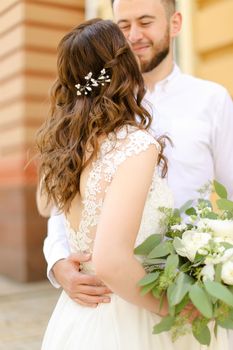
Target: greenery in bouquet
193, 263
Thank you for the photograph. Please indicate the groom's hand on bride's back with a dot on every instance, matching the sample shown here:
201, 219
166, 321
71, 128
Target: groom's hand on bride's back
84, 289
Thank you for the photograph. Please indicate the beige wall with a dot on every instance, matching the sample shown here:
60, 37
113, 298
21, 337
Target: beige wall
105, 9
213, 37
29, 34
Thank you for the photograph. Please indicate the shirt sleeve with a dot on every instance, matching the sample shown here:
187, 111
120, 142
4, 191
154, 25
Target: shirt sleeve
223, 143
55, 245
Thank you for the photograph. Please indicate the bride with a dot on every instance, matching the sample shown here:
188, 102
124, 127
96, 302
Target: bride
98, 165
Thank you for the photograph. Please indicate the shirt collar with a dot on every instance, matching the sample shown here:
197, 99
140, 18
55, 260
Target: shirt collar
163, 84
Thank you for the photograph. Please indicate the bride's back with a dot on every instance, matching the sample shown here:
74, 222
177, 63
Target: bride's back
85, 210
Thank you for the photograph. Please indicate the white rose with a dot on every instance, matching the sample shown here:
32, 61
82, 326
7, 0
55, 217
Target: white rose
227, 272
221, 228
228, 255
220, 257
190, 243
208, 272
201, 225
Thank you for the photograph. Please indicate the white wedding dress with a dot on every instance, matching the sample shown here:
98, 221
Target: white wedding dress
118, 325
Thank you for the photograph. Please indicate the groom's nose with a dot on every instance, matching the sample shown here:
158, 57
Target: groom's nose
135, 34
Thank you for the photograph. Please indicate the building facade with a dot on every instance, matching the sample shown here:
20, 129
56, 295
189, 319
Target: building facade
29, 34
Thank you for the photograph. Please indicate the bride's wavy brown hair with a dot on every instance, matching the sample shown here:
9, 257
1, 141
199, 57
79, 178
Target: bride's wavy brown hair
75, 123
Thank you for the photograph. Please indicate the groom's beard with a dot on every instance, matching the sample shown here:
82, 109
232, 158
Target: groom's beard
155, 61
161, 51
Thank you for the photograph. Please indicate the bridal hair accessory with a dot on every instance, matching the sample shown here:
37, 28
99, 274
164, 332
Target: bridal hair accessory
91, 82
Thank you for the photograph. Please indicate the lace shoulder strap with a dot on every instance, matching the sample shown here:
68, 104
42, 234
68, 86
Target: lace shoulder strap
129, 141
114, 151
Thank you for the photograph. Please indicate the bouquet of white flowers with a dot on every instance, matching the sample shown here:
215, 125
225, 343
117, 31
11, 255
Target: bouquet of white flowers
193, 263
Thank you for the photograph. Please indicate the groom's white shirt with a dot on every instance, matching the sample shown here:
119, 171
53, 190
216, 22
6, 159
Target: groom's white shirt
198, 117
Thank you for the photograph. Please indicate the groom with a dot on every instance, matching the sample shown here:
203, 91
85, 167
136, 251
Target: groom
196, 114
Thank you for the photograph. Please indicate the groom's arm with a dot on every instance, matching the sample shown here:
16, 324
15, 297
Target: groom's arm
223, 142
63, 267
56, 246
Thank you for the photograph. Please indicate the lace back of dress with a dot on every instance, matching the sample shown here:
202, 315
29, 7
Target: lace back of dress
113, 152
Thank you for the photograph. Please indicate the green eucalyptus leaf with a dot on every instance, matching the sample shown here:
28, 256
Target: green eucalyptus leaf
163, 249
169, 294
148, 279
220, 189
147, 288
191, 211
230, 315
155, 261
219, 291
227, 245
205, 202
146, 247
211, 215
161, 301
218, 271
201, 300
228, 324
185, 267
171, 310
186, 206
202, 335
172, 263
177, 243
182, 304
176, 213
224, 204
229, 215
164, 325
156, 292
181, 288
198, 259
